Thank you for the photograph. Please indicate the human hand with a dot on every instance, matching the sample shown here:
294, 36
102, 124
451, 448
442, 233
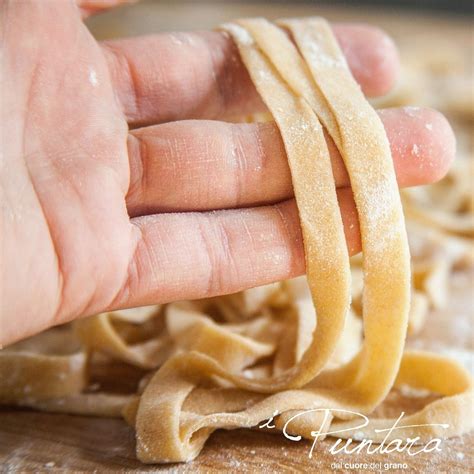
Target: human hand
97, 216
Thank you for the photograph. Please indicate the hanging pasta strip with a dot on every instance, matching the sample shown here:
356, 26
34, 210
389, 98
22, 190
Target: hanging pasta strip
327, 263
366, 153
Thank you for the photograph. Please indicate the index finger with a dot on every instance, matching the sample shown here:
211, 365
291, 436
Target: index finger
176, 76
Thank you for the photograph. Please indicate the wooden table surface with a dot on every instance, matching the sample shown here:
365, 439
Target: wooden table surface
39, 442
32, 442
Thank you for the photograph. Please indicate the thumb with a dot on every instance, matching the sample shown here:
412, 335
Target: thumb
91, 7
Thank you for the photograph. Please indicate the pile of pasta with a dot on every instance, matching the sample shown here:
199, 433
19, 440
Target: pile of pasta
333, 338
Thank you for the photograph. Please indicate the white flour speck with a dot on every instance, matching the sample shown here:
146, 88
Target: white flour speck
93, 78
411, 111
242, 35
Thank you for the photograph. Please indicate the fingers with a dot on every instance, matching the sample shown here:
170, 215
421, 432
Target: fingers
379, 64
196, 255
422, 142
175, 76
204, 165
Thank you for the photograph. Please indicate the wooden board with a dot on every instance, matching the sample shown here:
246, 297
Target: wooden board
31, 441
38, 442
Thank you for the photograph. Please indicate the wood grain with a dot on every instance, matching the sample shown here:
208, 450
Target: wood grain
39, 441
